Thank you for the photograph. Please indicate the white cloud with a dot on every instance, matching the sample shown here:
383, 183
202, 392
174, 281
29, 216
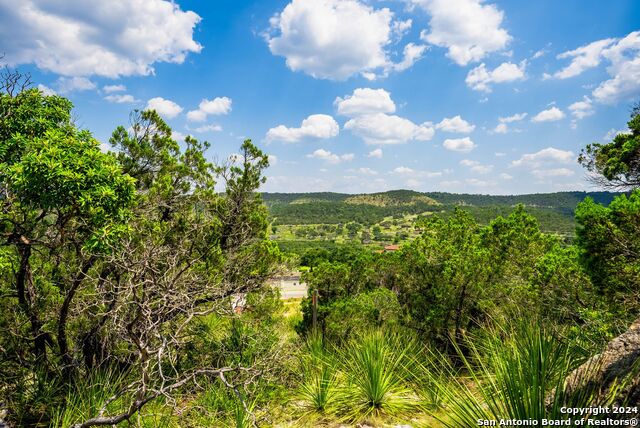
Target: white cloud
612, 133
539, 54
500, 154
273, 160
476, 166
555, 172
411, 54
318, 37
208, 128
478, 183
581, 109
114, 88
80, 38
462, 145
549, 115
315, 126
513, 118
382, 128
331, 158
377, 153
469, 29
46, 90
582, 58
214, 107
403, 170
366, 171
505, 176
365, 101
164, 107
178, 136
550, 154
455, 124
624, 57
502, 127
71, 84
481, 79
121, 99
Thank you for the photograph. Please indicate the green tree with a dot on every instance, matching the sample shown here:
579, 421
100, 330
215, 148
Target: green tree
107, 258
616, 164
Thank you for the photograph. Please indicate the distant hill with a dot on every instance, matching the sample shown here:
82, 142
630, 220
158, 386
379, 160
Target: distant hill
391, 198
553, 210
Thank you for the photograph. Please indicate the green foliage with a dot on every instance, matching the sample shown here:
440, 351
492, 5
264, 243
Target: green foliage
616, 163
376, 368
319, 383
608, 239
515, 372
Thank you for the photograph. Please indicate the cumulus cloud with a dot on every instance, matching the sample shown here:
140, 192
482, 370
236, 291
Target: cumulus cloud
214, 107
406, 171
462, 145
317, 37
550, 154
481, 79
164, 107
402, 170
111, 39
476, 166
208, 128
553, 172
121, 98
411, 54
582, 58
381, 128
581, 109
365, 101
502, 127
624, 70
377, 153
551, 114
623, 56
505, 176
315, 126
513, 118
455, 124
114, 88
46, 90
72, 84
366, 171
331, 158
468, 29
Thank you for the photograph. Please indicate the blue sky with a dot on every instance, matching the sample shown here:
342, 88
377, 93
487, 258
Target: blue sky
351, 95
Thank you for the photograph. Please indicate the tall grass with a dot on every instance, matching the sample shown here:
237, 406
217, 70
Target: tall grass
514, 373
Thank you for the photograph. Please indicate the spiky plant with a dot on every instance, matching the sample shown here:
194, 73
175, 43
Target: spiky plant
516, 372
319, 387
376, 367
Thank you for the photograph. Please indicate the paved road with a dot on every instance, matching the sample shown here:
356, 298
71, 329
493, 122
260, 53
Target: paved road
290, 291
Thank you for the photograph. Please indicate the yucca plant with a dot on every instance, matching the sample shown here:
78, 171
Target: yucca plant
514, 373
318, 388
376, 367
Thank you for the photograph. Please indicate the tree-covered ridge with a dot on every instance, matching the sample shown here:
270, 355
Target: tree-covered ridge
554, 211
560, 200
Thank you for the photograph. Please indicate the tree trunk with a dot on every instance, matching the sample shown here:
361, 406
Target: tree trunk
619, 362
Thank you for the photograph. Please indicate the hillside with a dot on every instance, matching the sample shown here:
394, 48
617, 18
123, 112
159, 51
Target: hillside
301, 220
